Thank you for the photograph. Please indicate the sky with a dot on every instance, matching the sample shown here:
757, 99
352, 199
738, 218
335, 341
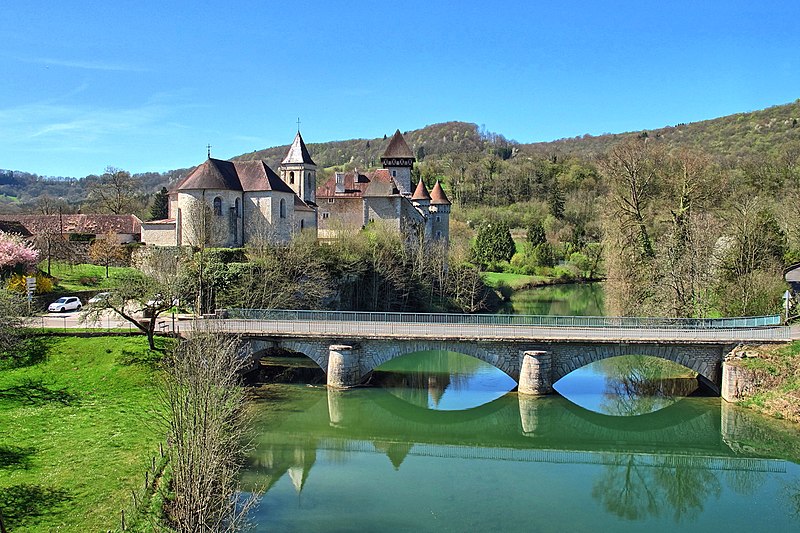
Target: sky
146, 85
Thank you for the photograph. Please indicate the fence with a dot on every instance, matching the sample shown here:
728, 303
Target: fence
506, 320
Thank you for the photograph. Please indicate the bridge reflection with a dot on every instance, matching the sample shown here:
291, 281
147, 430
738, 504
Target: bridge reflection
687, 438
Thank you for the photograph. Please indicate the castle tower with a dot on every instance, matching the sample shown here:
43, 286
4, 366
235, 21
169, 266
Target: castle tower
440, 214
299, 171
398, 160
421, 200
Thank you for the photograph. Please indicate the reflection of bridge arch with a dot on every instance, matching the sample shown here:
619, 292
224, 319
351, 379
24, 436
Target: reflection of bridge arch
695, 358
356, 359
415, 413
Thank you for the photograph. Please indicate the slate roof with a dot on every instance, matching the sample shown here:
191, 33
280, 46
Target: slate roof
87, 224
421, 193
298, 153
438, 196
300, 205
398, 148
234, 176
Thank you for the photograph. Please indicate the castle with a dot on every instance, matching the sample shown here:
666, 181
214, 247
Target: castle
233, 203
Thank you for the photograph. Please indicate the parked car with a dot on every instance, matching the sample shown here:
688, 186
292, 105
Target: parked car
66, 303
99, 298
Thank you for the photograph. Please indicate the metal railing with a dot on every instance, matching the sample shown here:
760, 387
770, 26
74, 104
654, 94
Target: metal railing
506, 320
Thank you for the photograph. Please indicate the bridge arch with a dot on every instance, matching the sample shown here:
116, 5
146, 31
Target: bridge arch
704, 360
500, 357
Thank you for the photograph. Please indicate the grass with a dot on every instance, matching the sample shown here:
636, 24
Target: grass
777, 369
83, 277
78, 433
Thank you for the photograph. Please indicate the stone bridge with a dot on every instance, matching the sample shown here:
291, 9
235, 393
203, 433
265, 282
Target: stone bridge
533, 350
535, 366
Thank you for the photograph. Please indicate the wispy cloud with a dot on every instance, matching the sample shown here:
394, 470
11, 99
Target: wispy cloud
86, 64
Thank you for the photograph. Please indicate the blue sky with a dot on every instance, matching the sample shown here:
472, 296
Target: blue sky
146, 85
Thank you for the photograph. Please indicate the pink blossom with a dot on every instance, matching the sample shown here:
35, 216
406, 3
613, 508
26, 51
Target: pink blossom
14, 251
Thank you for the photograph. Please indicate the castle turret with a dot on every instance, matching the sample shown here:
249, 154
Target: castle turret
440, 214
299, 171
422, 202
398, 160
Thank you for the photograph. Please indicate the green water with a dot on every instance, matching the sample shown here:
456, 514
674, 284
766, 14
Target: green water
571, 299
441, 442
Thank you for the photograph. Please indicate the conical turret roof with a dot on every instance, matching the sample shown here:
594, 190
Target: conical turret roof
438, 197
298, 153
421, 193
398, 148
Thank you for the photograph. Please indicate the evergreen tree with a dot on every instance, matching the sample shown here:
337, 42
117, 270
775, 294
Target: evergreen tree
494, 243
555, 200
160, 208
536, 234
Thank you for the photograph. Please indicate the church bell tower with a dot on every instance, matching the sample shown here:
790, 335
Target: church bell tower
299, 171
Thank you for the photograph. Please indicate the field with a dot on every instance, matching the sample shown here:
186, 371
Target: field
78, 432
83, 277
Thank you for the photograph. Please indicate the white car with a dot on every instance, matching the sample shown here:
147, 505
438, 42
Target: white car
99, 298
66, 303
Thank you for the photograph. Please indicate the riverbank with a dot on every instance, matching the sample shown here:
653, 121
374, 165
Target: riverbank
79, 432
774, 371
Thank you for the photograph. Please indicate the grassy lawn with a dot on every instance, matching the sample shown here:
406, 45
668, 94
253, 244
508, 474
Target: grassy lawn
78, 433
778, 368
83, 277
515, 281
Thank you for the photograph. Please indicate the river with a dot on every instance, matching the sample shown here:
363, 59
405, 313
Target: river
440, 442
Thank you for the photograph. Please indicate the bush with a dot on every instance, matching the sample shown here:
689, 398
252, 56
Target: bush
494, 244
543, 255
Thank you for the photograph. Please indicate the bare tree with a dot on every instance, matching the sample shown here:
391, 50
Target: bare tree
207, 431
202, 230
106, 249
117, 192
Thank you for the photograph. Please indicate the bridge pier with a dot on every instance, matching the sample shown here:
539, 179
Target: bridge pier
536, 373
343, 367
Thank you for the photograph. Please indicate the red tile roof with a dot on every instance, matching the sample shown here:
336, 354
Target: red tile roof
421, 193
398, 148
355, 185
87, 224
234, 176
438, 196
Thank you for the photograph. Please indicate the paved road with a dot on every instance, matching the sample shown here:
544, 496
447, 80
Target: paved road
395, 330
354, 329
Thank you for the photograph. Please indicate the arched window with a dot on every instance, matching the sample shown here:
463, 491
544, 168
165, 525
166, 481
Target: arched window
218, 206
301, 224
236, 208
291, 178
283, 208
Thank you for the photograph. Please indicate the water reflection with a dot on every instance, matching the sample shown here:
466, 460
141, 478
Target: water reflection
571, 299
628, 385
369, 447
442, 380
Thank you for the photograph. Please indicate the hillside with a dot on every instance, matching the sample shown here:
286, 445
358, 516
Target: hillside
433, 140
767, 131
770, 132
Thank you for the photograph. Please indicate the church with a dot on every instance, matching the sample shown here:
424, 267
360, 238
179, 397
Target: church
233, 203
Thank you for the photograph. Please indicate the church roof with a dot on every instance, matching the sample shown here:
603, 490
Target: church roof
298, 153
300, 205
397, 148
421, 193
438, 197
234, 176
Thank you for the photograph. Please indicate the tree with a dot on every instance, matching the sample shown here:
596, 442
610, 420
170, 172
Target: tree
116, 191
555, 200
206, 428
15, 253
136, 293
493, 243
536, 234
160, 208
12, 309
201, 230
106, 249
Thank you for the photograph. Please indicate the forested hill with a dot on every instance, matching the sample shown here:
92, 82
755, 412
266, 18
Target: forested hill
442, 148
435, 140
768, 131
